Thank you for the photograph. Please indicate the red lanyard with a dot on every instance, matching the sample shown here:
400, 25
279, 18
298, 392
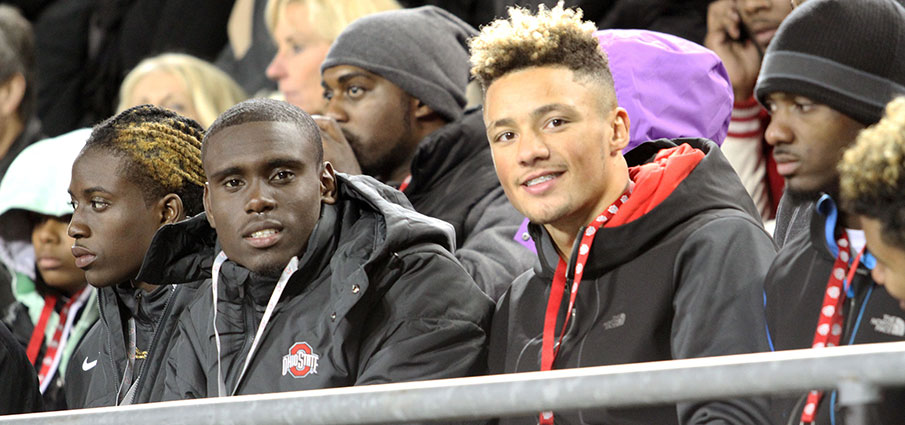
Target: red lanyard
37, 335
405, 183
549, 350
829, 323
52, 357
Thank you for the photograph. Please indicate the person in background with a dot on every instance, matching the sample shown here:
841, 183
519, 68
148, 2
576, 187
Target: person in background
395, 86
657, 254
19, 128
139, 170
182, 83
872, 183
56, 309
739, 31
821, 93
303, 31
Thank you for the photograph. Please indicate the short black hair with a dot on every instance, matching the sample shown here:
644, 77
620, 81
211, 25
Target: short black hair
162, 152
17, 55
268, 110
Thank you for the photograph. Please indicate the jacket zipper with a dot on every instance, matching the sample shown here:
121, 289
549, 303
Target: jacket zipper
117, 377
154, 340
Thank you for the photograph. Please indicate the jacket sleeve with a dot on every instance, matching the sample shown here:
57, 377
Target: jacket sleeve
20, 392
431, 323
719, 307
490, 253
185, 377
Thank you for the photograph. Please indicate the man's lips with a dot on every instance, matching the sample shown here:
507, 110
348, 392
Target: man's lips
539, 182
49, 263
263, 234
786, 164
83, 256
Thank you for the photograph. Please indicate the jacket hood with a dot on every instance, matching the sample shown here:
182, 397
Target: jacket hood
710, 185
670, 87
185, 251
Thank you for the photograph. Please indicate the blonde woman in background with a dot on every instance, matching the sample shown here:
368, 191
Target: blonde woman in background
303, 31
183, 83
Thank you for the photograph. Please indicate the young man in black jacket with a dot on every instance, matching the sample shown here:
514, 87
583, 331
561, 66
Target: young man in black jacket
317, 279
821, 92
655, 255
395, 85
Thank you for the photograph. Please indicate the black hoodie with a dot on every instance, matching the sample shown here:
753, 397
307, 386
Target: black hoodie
683, 280
377, 298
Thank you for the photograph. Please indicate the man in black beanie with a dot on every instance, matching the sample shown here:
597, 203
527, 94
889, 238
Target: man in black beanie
821, 91
395, 85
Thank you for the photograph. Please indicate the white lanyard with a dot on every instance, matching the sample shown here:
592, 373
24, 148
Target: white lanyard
271, 305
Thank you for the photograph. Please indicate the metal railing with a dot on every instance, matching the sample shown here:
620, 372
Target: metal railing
858, 372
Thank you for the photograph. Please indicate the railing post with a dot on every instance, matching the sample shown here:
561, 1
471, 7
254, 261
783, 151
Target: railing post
856, 397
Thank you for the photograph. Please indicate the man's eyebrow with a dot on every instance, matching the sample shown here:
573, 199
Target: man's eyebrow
546, 109
94, 189
223, 173
535, 114
284, 163
354, 74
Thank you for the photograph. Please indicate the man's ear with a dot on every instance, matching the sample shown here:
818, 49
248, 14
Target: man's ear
206, 199
421, 109
621, 133
171, 209
328, 184
11, 94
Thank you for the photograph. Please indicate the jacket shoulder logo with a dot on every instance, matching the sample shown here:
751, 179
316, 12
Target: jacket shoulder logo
301, 361
86, 365
889, 324
615, 322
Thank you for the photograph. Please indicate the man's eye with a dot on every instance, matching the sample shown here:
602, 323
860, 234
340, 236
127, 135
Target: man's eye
355, 91
555, 122
328, 95
232, 183
283, 175
505, 136
74, 204
99, 204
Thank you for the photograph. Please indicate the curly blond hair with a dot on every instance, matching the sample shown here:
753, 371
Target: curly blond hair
552, 37
872, 173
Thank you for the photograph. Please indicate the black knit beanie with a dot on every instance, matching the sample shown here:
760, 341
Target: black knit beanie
423, 51
846, 54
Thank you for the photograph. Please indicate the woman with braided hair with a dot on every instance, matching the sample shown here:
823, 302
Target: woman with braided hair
139, 171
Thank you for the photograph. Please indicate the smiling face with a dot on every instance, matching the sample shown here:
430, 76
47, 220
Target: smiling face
264, 192
556, 143
762, 18
300, 52
161, 88
111, 223
809, 139
53, 254
890, 268
377, 118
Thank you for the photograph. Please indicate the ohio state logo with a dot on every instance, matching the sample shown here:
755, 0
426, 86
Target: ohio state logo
301, 361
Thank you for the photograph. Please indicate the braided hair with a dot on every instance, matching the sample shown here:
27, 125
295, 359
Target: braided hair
162, 152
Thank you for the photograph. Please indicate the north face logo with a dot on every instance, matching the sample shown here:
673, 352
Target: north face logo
889, 324
300, 361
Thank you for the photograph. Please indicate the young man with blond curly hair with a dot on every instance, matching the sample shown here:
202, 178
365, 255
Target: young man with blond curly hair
872, 179
654, 255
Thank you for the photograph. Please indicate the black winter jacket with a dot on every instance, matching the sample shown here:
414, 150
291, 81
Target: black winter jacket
96, 372
681, 281
795, 289
453, 179
19, 392
377, 298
